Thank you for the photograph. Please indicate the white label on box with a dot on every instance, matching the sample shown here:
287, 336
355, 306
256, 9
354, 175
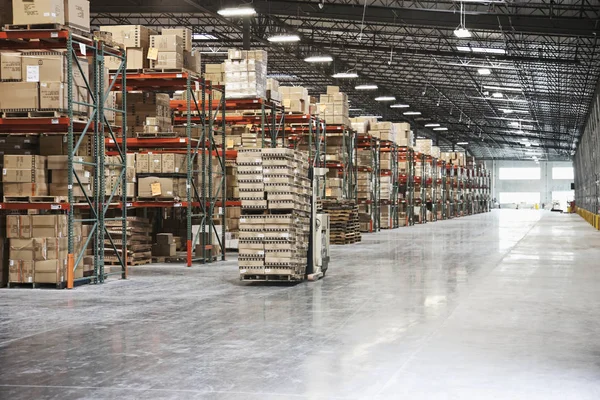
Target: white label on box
69, 187
197, 86
180, 141
82, 49
4, 171
33, 73
54, 121
128, 204
261, 235
242, 271
86, 174
242, 220
46, 14
176, 169
261, 253
54, 34
177, 205
188, 187
180, 75
30, 279
55, 207
111, 141
12, 262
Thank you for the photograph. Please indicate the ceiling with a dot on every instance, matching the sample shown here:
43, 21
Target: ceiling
544, 63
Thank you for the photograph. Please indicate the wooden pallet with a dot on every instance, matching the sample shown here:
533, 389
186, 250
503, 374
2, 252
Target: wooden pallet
272, 278
130, 262
179, 258
47, 27
34, 285
131, 71
35, 199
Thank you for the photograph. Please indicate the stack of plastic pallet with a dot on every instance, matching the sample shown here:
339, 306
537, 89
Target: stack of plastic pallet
274, 226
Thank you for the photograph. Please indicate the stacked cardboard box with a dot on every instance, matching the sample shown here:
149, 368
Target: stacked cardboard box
333, 107
191, 58
143, 108
404, 136
424, 146
385, 192
6, 12
166, 52
246, 74
24, 175
386, 131
273, 247
39, 247
231, 180
232, 222
71, 13
295, 99
37, 81
215, 73
59, 176
273, 92
334, 187
435, 152
386, 213
112, 173
136, 39
165, 245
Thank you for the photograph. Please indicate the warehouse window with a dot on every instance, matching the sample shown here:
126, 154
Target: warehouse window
520, 198
519, 173
563, 173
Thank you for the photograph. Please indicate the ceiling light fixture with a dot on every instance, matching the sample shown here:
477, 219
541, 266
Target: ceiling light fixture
385, 98
484, 71
462, 143
365, 87
412, 113
345, 75
486, 50
399, 106
504, 88
497, 95
236, 12
287, 38
431, 125
462, 31
440, 129
203, 36
318, 59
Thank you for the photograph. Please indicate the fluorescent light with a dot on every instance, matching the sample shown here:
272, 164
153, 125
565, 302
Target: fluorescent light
283, 77
497, 95
385, 98
527, 144
462, 143
345, 75
484, 71
509, 111
399, 106
284, 38
365, 87
412, 113
504, 88
236, 11
525, 139
462, 33
487, 50
355, 109
318, 59
431, 125
440, 129
203, 36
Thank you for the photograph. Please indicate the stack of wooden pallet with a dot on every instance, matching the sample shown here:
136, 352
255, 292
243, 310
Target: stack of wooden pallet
139, 241
343, 219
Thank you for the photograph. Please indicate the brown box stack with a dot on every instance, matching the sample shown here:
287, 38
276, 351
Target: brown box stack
295, 99
39, 247
140, 107
59, 176
333, 107
166, 51
24, 175
273, 246
165, 245
72, 13
136, 39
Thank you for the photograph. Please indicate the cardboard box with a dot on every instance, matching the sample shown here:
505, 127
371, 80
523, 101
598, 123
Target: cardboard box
23, 175
62, 162
53, 96
142, 163
165, 59
6, 17
24, 162
10, 66
18, 226
136, 58
27, 12
77, 14
164, 238
184, 33
20, 271
153, 186
167, 43
44, 226
130, 35
25, 189
19, 95
154, 163
164, 250
50, 271
42, 67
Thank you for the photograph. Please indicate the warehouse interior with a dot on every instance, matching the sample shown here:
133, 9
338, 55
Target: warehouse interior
299, 199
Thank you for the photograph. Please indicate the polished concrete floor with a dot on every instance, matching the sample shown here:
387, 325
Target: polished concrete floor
498, 306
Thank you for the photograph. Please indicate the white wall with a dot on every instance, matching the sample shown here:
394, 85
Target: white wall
545, 186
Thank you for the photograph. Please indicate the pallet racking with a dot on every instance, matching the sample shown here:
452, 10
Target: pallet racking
208, 114
95, 127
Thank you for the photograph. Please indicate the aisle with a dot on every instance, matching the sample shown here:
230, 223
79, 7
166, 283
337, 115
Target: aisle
501, 305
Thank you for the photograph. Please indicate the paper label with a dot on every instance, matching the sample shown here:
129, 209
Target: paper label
33, 73
12, 263
267, 270
82, 49
242, 271
155, 189
176, 169
179, 75
54, 34
4, 171
177, 205
152, 53
55, 207
54, 121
